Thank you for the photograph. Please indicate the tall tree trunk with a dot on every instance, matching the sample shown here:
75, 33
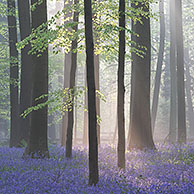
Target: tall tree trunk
97, 82
182, 136
189, 95
159, 64
173, 85
72, 85
38, 140
85, 126
26, 69
141, 132
121, 88
75, 126
131, 104
51, 127
115, 130
14, 75
67, 69
92, 120
76, 113
97, 77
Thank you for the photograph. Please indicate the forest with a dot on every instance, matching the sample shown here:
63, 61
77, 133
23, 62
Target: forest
96, 97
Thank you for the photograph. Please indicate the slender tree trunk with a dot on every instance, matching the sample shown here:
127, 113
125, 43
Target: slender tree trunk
97, 77
159, 64
26, 69
85, 127
173, 85
14, 75
76, 113
75, 126
72, 85
189, 95
38, 140
67, 69
92, 120
182, 136
121, 88
131, 104
97, 82
51, 127
141, 132
115, 131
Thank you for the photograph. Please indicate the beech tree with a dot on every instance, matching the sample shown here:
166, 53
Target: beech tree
180, 73
121, 87
141, 131
70, 123
92, 120
159, 64
173, 84
67, 70
26, 69
14, 73
85, 124
38, 140
188, 83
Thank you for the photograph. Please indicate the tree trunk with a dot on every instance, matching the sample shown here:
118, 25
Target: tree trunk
97, 82
159, 64
85, 127
173, 85
189, 95
131, 103
141, 132
26, 69
180, 74
72, 86
67, 69
115, 130
97, 77
75, 126
14, 74
121, 88
92, 120
51, 127
38, 140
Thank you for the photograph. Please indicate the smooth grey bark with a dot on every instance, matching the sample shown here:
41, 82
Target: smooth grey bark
141, 131
26, 69
70, 122
97, 75
97, 82
182, 133
159, 65
85, 124
190, 112
76, 123
173, 76
115, 130
92, 120
121, 88
51, 127
38, 140
14, 74
67, 69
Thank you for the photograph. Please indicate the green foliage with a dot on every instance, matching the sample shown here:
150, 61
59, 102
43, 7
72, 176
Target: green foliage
62, 100
106, 29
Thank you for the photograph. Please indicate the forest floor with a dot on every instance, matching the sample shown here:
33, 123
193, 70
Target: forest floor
170, 169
